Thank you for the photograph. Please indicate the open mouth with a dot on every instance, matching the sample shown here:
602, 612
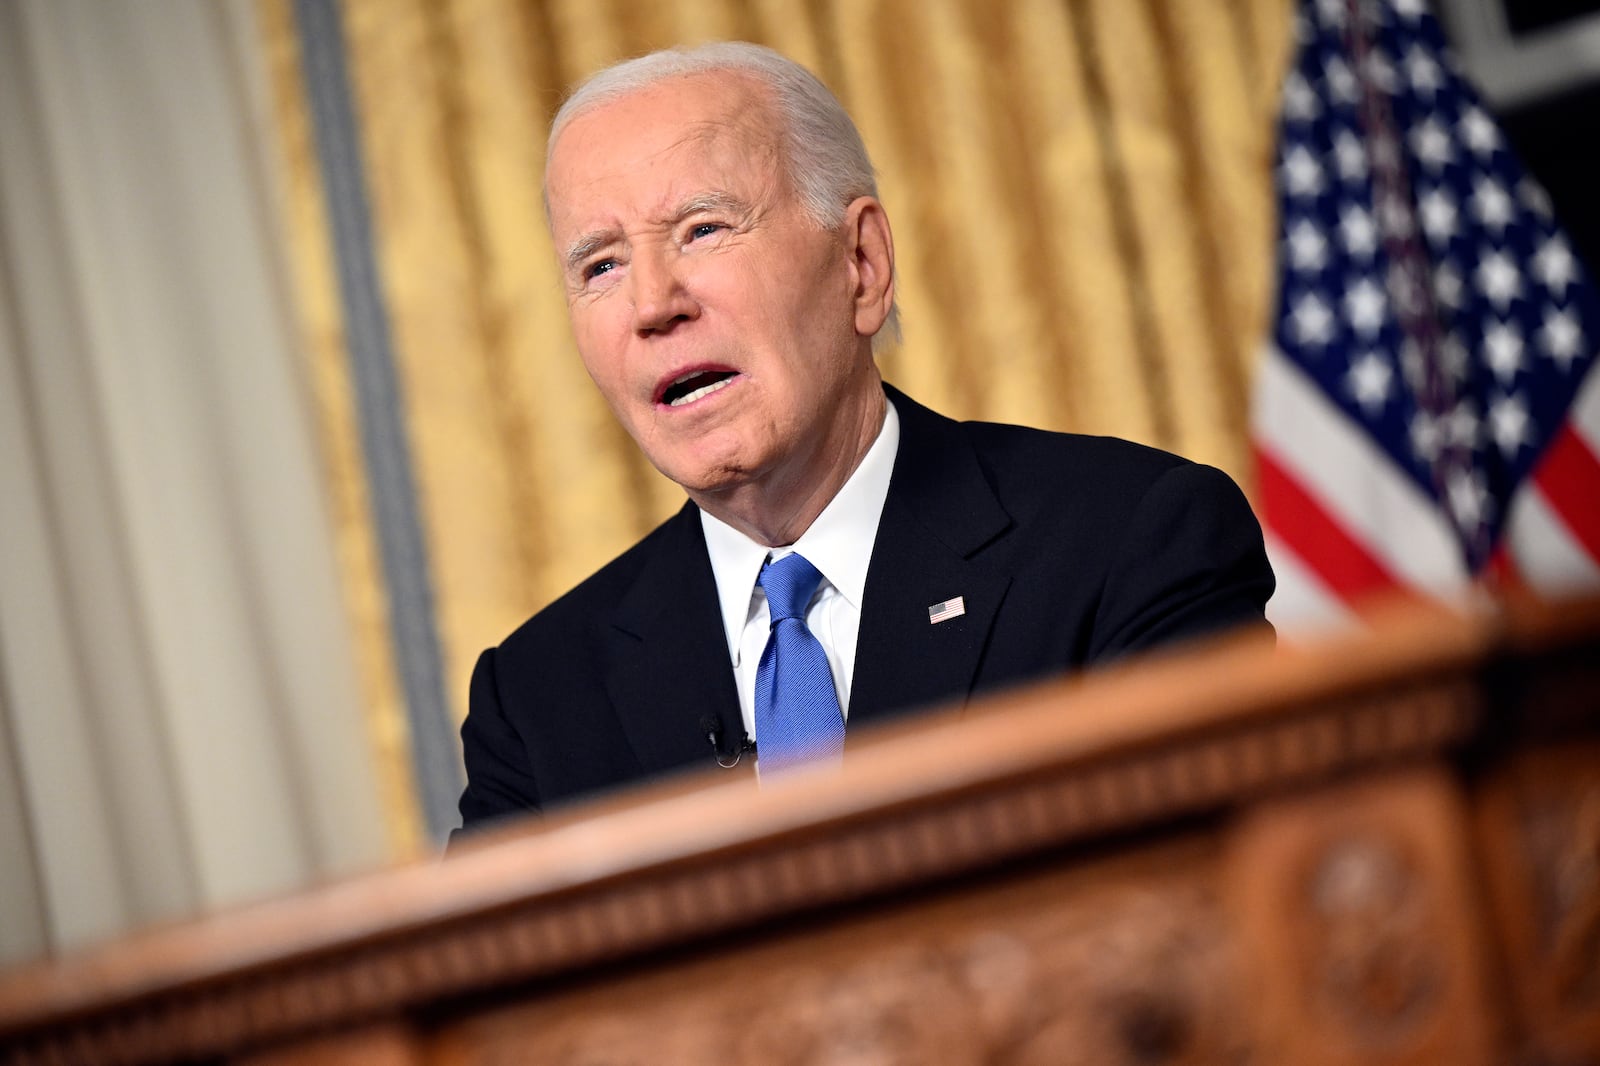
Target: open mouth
695, 385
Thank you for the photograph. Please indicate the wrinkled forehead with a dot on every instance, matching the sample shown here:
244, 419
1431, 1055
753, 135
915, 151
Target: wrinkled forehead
669, 131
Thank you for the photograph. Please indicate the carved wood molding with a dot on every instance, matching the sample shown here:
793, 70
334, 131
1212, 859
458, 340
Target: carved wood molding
1539, 835
1137, 749
1356, 900
1117, 960
698, 897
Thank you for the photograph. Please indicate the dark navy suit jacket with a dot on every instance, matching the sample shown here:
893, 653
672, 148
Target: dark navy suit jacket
1068, 551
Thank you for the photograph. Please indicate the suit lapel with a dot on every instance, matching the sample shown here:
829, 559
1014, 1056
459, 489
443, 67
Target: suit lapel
939, 516
669, 656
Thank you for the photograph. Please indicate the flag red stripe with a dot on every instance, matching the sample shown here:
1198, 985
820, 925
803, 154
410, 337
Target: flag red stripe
1300, 521
1569, 477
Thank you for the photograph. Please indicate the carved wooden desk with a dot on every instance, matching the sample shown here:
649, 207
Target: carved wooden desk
1383, 851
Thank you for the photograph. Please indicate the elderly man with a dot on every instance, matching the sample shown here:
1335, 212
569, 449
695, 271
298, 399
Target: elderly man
845, 553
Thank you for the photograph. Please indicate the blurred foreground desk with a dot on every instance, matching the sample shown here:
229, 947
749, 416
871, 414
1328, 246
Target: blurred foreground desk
1382, 851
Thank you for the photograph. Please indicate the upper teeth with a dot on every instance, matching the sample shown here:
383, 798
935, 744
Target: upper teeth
704, 390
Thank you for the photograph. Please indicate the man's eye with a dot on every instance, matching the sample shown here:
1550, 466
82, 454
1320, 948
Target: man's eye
704, 229
594, 270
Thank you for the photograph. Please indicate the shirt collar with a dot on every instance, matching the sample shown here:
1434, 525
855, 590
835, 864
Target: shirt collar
838, 543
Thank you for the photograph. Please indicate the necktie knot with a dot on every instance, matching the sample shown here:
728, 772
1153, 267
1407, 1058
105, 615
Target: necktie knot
790, 583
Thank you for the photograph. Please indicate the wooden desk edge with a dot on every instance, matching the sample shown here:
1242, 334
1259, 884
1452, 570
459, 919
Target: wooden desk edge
1143, 741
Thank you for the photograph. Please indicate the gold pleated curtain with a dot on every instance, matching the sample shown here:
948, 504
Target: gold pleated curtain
1081, 200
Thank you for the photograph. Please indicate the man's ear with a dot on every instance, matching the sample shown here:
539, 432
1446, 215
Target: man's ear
871, 248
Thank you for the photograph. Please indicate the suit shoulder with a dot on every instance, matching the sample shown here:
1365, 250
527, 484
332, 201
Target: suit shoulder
1021, 453
1054, 478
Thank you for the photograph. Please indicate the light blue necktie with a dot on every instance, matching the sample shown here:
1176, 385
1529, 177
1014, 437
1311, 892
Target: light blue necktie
797, 711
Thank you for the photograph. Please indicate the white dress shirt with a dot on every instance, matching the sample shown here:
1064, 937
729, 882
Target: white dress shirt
838, 544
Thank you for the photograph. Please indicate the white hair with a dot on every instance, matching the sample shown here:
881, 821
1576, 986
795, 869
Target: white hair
828, 166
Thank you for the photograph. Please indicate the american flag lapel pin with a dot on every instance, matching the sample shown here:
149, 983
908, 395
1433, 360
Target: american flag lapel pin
943, 612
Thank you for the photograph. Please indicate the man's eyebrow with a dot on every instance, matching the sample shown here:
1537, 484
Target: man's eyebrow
585, 246
710, 201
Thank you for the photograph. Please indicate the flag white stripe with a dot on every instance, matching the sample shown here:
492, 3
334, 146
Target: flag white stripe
1584, 414
1302, 606
1545, 553
1339, 464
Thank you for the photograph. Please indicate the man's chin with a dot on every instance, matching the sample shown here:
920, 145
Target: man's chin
712, 485
710, 479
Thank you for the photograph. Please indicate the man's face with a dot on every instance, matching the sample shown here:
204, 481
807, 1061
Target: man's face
716, 318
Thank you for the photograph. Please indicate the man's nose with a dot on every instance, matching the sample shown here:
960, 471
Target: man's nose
660, 297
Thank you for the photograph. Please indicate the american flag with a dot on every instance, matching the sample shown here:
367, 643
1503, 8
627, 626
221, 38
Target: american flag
1428, 413
947, 609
